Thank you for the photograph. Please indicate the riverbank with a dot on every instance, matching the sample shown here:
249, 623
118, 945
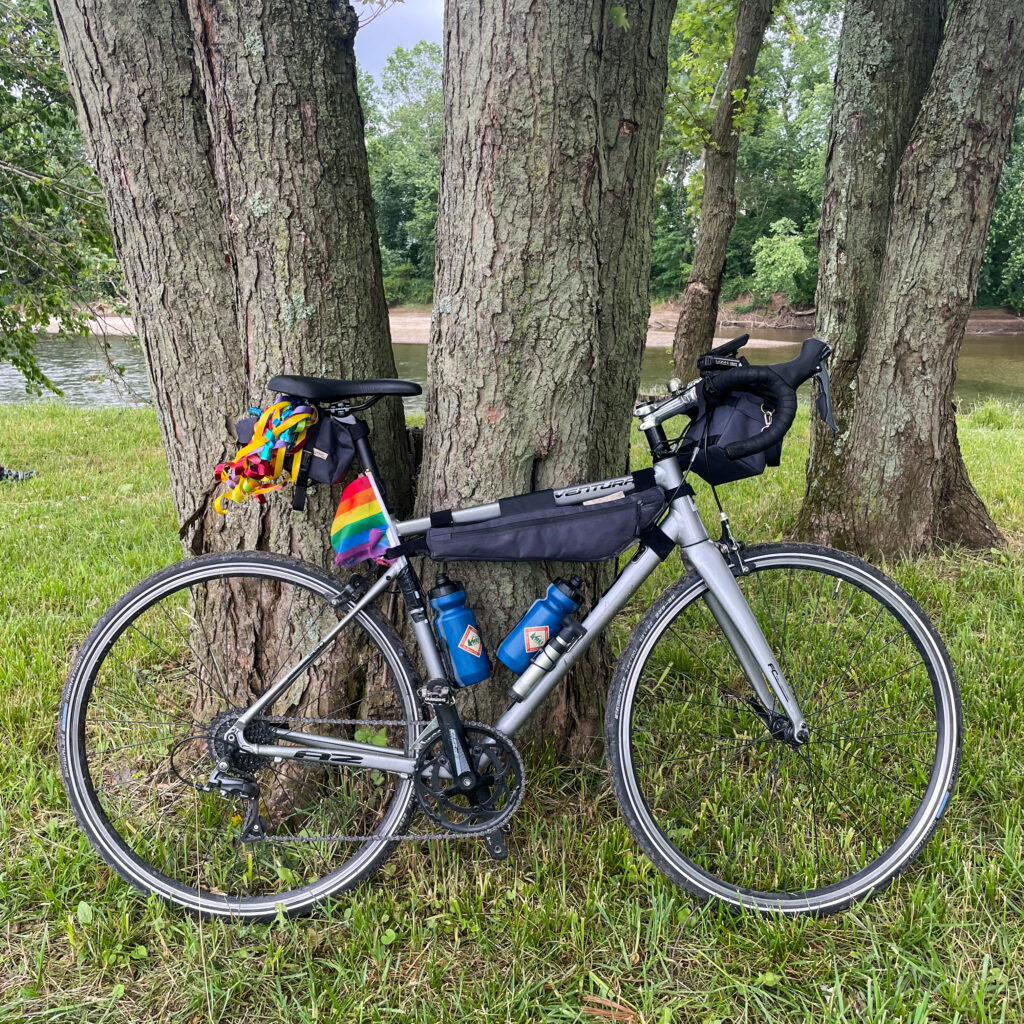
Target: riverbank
577, 925
735, 317
410, 325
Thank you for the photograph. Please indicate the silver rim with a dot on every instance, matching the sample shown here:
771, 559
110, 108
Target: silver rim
102, 832
878, 872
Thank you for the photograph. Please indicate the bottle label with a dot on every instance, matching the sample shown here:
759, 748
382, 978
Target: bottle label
471, 643
536, 638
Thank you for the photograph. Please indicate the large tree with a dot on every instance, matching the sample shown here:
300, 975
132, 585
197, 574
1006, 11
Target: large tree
229, 141
552, 116
699, 313
905, 486
887, 50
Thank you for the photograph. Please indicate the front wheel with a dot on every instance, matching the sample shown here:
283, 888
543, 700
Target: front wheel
739, 815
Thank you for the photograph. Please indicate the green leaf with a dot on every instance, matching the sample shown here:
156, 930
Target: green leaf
85, 913
618, 16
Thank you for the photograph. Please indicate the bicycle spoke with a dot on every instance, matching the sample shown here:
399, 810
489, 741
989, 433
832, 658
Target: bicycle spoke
781, 823
146, 761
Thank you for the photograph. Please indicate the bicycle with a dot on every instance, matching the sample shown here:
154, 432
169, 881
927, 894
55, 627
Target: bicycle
783, 727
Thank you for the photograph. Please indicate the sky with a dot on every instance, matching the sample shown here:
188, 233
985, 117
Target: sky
401, 25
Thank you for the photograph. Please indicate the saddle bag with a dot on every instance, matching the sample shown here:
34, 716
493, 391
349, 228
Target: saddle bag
531, 528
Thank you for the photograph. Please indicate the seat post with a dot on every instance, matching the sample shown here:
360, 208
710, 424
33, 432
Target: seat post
361, 438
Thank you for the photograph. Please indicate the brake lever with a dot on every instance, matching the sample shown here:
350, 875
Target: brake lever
823, 402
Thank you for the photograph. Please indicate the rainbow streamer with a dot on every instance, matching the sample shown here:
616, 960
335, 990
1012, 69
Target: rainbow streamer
360, 526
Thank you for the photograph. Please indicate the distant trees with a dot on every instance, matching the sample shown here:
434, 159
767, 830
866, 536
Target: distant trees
699, 314
404, 113
55, 246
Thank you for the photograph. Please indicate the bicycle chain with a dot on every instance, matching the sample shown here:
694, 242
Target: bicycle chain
403, 837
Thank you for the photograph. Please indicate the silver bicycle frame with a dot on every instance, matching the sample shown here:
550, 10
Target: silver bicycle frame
682, 525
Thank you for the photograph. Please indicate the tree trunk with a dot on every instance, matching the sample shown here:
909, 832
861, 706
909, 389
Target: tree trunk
695, 328
905, 484
229, 141
552, 119
887, 51
228, 137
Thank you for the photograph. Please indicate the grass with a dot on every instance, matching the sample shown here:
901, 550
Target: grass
577, 925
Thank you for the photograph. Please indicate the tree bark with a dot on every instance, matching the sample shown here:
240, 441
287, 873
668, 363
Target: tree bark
552, 119
228, 137
887, 50
698, 316
905, 484
229, 141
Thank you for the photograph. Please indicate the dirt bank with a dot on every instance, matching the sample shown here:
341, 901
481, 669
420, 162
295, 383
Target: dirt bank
411, 326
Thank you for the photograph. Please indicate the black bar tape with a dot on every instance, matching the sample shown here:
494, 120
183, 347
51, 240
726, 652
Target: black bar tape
442, 518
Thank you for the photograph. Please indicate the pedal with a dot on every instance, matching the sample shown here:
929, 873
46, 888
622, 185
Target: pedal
496, 845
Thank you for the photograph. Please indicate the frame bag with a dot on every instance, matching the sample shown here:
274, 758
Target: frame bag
532, 528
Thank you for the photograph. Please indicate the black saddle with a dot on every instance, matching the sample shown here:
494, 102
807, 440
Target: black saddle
323, 389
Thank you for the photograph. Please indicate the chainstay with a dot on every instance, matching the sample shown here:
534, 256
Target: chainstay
414, 837
292, 719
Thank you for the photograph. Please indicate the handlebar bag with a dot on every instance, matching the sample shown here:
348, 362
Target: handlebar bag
736, 417
545, 532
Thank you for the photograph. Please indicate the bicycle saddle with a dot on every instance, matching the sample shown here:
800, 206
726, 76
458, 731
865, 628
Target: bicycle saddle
324, 389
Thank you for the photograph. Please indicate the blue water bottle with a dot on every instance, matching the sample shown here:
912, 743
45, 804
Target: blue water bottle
540, 623
455, 624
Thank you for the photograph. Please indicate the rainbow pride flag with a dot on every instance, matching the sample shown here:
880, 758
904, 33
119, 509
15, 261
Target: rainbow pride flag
360, 526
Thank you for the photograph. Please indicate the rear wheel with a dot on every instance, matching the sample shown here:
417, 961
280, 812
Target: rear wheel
710, 787
146, 719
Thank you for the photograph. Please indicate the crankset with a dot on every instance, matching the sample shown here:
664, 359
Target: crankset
486, 808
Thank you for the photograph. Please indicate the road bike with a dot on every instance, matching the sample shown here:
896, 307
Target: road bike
243, 734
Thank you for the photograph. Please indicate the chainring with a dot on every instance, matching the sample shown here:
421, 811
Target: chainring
497, 764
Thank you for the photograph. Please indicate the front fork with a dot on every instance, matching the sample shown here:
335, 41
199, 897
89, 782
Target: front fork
734, 616
737, 621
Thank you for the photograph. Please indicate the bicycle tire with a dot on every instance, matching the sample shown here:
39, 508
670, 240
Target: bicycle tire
641, 764
101, 658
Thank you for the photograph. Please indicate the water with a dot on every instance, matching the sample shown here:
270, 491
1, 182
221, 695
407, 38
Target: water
990, 366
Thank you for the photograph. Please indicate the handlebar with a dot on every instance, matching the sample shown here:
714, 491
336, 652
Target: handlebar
777, 382
762, 380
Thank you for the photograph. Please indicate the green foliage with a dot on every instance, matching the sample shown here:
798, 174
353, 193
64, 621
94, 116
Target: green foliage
1002, 274
404, 112
778, 259
55, 244
783, 126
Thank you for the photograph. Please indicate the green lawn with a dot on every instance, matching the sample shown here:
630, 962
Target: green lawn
577, 925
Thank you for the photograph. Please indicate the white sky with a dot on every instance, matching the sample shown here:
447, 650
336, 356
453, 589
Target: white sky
401, 25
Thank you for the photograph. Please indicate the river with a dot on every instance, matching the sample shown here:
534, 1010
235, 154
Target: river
990, 366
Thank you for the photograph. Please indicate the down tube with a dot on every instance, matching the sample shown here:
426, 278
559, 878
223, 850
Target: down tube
615, 597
